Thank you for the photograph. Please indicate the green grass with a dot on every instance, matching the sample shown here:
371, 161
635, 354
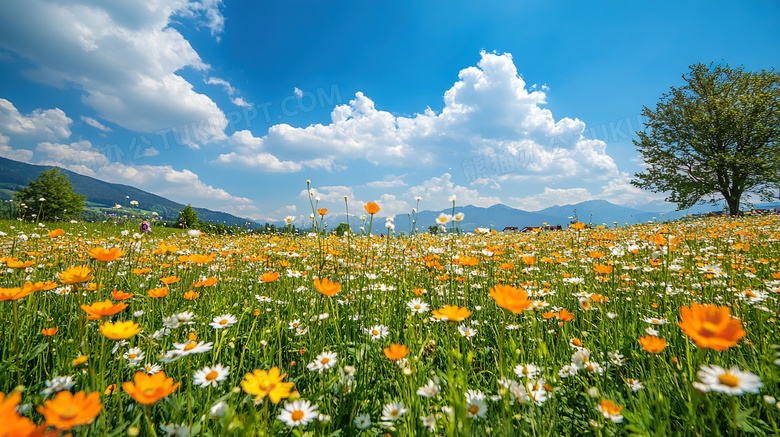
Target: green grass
378, 278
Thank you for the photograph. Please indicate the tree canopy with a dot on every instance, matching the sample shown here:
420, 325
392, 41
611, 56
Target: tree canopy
713, 138
51, 197
188, 218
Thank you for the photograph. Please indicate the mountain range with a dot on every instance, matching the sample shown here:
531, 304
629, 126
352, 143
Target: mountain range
15, 175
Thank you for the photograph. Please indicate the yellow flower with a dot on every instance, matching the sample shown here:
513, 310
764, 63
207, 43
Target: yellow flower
652, 344
120, 330
327, 287
261, 383
75, 275
106, 255
451, 313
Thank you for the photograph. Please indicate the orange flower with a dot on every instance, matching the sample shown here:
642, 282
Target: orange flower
103, 309
418, 291
148, 389
327, 287
67, 410
565, 315
322, 211
13, 423
372, 208
511, 298
652, 344
158, 292
529, 260
56, 233
603, 269
38, 286
106, 255
14, 293
468, 260
396, 351
120, 295
201, 259
261, 384
711, 326
506, 266
168, 280
208, 282
15, 264
120, 330
49, 331
595, 255
577, 226
451, 313
75, 275
142, 271
269, 277
191, 295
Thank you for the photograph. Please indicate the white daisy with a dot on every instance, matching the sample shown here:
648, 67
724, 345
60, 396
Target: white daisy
418, 306
210, 376
429, 390
193, 348
223, 321
362, 421
134, 356
377, 332
392, 411
300, 412
527, 370
732, 381
466, 331
324, 361
476, 408
57, 384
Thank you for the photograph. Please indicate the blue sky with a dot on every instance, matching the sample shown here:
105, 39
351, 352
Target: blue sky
233, 105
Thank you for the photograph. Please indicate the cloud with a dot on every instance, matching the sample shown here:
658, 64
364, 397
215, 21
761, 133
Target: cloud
551, 197
7, 151
617, 190
96, 124
79, 156
123, 55
389, 181
40, 124
251, 154
183, 186
239, 101
487, 111
222, 82
437, 191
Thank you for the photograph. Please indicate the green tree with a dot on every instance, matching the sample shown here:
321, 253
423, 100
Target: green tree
341, 229
188, 218
713, 138
433, 229
51, 197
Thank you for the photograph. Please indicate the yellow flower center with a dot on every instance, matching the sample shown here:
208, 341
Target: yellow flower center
132, 356
417, 307
69, 412
223, 322
474, 409
374, 332
211, 375
325, 360
190, 346
709, 329
728, 379
297, 415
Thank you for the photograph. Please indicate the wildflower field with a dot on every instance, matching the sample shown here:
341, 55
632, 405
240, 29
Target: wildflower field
655, 329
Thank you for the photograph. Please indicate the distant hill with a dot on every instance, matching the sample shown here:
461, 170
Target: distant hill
15, 175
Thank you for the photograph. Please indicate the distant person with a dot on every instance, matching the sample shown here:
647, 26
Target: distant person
146, 227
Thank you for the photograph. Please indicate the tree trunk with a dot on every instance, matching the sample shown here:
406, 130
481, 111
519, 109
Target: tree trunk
733, 203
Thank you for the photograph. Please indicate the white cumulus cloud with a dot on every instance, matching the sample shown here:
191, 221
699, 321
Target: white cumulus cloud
123, 55
39, 124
